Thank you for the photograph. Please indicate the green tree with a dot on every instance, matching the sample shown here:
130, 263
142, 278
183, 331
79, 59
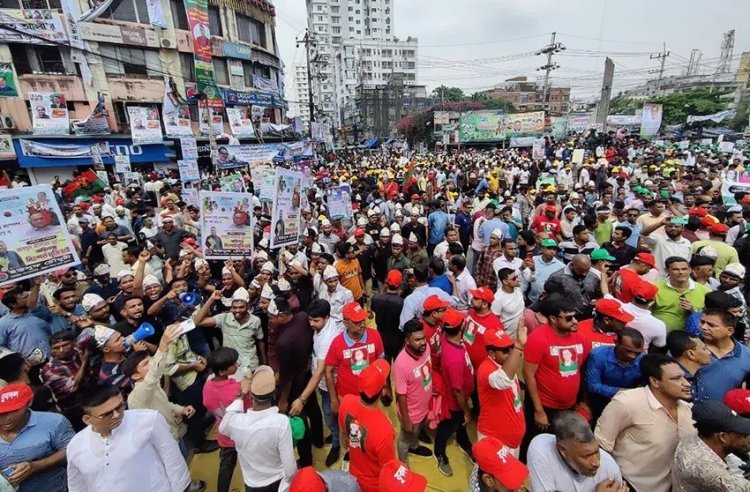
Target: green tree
449, 93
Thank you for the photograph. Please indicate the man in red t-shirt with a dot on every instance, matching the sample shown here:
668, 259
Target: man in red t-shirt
458, 378
479, 322
554, 356
367, 433
627, 277
609, 318
547, 226
500, 407
350, 353
431, 319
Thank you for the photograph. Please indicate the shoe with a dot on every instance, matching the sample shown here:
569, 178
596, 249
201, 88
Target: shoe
196, 486
468, 453
421, 451
319, 444
424, 437
208, 447
328, 439
333, 456
444, 466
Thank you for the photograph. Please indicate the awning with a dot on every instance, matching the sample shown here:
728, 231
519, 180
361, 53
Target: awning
55, 152
372, 143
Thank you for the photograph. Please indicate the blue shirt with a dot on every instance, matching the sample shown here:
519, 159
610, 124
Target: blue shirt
636, 228
56, 322
27, 335
724, 374
542, 271
490, 225
605, 375
44, 434
442, 282
414, 302
437, 222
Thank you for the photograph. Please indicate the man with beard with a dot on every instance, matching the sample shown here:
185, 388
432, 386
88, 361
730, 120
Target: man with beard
104, 284
328, 239
133, 316
145, 456
169, 238
63, 314
126, 281
300, 281
412, 372
241, 330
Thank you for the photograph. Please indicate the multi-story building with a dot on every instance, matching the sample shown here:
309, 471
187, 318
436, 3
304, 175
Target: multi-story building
527, 95
301, 105
129, 61
355, 44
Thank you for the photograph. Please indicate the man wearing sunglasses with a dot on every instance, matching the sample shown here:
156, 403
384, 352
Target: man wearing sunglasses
554, 355
123, 449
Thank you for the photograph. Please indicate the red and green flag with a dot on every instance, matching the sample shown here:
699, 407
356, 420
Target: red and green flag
85, 184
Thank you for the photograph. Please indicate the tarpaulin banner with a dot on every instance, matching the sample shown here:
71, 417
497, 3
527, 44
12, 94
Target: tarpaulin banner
716, 117
7, 82
34, 237
210, 119
49, 113
96, 123
651, 120
189, 171
98, 8
64, 151
524, 124
46, 27
624, 119
339, 202
233, 183
176, 113
122, 164
285, 218
6, 147
189, 147
481, 126
441, 117
579, 122
197, 14
240, 122
559, 125
225, 224
264, 84
232, 156
71, 13
156, 14
145, 126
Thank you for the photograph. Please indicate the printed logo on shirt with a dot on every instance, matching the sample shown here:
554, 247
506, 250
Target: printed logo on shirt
596, 343
472, 328
567, 358
517, 404
434, 342
356, 432
359, 360
423, 373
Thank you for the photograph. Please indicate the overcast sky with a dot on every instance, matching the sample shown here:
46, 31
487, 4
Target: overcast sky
475, 44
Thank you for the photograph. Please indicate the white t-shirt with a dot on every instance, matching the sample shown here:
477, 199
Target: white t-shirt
509, 308
321, 343
654, 330
113, 258
548, 471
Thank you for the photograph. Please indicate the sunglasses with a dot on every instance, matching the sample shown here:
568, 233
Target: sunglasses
117, 410
567, 318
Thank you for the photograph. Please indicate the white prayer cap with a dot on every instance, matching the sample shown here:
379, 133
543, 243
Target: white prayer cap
241, 295
90, 301
330, 272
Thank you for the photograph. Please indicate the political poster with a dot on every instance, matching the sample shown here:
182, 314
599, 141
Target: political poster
34, 237
619, 120
49, 113
524, 124
96, 123
482, 126
189, 147
256, 175
726, 146
233, 156
132, 178
559, 125
176, 112
190, 196
189, 171
211, 120
145, 127
577, 157
7, 81
240, 122
339, 202
6, 147
650, 120
707, 142
537, 150
579, 122
197, 14
36, 26
233, 183
285, 216
264, 84
267, 183
103, 176
441, 117
122, 163
226, 226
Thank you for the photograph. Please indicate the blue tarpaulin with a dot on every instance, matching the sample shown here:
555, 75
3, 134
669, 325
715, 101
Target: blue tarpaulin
372, 143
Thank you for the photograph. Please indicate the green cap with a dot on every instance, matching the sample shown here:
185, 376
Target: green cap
549, 243
602, 254
298, 428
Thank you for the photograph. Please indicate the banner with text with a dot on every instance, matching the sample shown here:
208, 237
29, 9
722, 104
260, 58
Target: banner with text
7, 82
225, 224
145, 127
650, 120
240, 122
481, 126
339, 202
35, 26
189, 171
285, 218
197, 14
49, 113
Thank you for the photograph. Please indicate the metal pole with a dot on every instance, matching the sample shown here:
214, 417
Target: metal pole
546, 74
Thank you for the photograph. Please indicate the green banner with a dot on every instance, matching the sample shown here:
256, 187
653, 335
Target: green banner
7, 82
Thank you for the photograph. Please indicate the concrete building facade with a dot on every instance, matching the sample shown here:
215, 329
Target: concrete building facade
527, 95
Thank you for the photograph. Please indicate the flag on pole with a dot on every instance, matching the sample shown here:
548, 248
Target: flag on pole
85, 184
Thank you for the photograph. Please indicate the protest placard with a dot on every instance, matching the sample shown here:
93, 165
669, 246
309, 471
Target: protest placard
285, 217
226, 228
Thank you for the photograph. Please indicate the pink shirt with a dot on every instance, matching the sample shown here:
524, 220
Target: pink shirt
457, 372
414, 379
217, 396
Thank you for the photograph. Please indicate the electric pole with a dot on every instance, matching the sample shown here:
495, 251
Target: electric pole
663, 57
549, 50
309, 41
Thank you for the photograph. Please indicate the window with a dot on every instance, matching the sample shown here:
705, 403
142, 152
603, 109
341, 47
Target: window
351, 29
336, 30
179, 15
351, 19
214, 21
221, 72
335, 10
251, 30
37, 59
335, 19
187, 67
128, 11
319, 8
120, 60
358, 22
351, 9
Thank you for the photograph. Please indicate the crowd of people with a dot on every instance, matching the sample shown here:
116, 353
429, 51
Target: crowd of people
571, 326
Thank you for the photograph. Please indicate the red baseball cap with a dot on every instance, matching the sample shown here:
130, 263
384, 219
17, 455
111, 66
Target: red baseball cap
495, 458
453, 318
394, 278
434, 302
613, 309
191, 241
738, 400
307, 480
646, 258
373, 377
707, 221
415, 196
395, 477
718, 229
550, 208
699, 211
499, 339
354, 312
14, 397
483, 293
645, 290
359, 232
745, 199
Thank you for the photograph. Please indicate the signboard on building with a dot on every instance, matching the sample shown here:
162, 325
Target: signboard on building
241, 51
42, 26
107, 33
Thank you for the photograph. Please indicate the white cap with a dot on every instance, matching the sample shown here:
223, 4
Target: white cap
90, 301
150, 280
123, 274
263, 243
225, 271
330, 272
734, 209
102, 334
397, 239
361, 221
101, 269
261, 254
200, 263
497, 232
735, 269
241, 295
267, 292
385, 232
267, 267
316, 248
709, 251
183, 253
295, 263
255, 284
272, 309
372, 212
325, 222
284, 285
413, 238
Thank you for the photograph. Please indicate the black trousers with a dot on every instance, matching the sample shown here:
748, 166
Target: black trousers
198, 424
227, 463
449, 426
274, 487
531, 429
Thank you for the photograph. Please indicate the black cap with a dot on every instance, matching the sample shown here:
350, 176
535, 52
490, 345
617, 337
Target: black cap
716, 416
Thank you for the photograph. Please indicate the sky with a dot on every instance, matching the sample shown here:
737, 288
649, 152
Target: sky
476, 44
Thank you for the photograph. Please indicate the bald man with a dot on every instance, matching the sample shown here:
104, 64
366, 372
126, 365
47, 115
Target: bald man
578, 283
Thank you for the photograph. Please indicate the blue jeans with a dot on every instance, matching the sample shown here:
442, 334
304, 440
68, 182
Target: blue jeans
331, 422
